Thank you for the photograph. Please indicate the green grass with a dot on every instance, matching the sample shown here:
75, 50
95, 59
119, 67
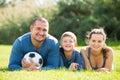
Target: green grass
61, 74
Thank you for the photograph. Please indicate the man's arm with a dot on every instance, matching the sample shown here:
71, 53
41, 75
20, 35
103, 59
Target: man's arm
15, 56
53, 58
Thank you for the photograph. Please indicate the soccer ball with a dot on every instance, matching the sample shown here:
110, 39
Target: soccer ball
37, 58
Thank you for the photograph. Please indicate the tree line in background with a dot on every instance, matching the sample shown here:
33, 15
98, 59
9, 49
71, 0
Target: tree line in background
78, 16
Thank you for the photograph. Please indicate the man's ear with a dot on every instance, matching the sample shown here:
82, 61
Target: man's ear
31, 27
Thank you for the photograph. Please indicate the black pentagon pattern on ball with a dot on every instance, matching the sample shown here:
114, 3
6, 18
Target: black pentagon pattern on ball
40, 61
32, 55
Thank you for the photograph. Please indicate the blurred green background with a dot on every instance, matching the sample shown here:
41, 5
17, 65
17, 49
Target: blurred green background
78, 16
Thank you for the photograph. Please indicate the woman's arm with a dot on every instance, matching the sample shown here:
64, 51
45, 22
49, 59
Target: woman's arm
84, 52
109, 61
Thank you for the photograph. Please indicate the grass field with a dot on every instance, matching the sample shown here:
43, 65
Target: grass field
61, 74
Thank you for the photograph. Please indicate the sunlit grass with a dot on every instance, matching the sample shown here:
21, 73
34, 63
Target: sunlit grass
60, 74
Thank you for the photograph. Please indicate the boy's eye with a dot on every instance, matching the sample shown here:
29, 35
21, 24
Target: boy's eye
71, 41
68, 41
64, 41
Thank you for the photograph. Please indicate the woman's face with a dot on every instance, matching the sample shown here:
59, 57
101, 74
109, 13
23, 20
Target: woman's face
67, 43
96, 42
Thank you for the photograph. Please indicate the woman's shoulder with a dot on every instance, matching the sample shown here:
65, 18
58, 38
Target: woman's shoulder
84, 49
109, 50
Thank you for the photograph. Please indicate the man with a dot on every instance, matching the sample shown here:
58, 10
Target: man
38, 40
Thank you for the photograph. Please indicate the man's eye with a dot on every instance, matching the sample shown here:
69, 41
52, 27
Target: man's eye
93, 40
37, 28
99, 41
45, 30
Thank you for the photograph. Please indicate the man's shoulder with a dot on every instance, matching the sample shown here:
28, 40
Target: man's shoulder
51, 38
51, 42
22, 41
24, 36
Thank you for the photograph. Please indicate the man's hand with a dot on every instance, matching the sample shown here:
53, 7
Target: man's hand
29, 65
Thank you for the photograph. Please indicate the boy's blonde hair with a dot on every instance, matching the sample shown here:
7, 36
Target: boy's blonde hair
70, 34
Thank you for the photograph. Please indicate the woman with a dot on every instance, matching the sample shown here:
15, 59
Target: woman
72, 58
97, 55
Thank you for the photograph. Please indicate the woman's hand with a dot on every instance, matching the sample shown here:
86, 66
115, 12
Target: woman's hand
103, 69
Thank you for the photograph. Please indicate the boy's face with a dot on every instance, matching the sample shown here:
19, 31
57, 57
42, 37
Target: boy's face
67, 43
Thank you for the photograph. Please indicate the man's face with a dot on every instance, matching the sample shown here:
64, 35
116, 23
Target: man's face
39, 31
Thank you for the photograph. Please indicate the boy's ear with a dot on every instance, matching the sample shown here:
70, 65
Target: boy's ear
75, 44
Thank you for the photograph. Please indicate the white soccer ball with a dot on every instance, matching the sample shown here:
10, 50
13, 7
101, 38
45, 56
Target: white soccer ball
37, 58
